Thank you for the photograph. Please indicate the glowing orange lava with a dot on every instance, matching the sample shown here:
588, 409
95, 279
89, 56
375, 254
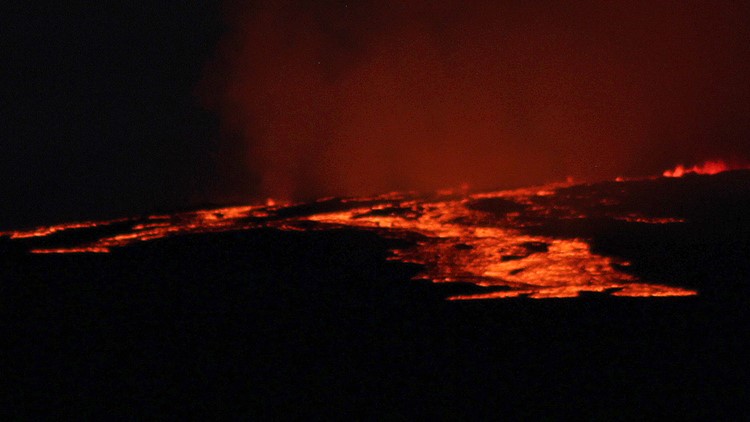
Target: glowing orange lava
157, 227
708, 167
458, 243
461, 246
48, 230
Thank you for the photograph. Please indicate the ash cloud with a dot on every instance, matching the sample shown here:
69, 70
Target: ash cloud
325, 98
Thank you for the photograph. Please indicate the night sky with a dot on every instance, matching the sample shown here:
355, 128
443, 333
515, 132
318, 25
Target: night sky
120, 110
100, 114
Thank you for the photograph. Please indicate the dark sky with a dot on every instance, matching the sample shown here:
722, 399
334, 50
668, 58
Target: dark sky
116, 110
100, 116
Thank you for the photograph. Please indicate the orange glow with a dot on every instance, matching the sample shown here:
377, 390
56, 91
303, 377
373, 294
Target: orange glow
91, 249
458, 243
708, 167
461, 247
48, 230
156, 227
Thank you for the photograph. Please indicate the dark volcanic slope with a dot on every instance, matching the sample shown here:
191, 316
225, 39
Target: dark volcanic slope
313, 319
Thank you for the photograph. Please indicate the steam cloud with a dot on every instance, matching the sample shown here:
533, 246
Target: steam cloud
349, 98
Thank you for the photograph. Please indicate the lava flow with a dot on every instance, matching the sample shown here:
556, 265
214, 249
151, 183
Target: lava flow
465, 245
485, 239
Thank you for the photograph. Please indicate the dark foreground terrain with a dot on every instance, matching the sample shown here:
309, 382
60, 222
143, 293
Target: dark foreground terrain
274, 324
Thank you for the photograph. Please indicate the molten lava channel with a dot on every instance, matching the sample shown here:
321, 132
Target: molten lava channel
462, 245
457, 242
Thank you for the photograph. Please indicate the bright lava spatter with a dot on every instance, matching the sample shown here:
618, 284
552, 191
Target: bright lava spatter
456, 242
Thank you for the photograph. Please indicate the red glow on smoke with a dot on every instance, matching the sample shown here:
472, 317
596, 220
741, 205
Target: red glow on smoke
322, 99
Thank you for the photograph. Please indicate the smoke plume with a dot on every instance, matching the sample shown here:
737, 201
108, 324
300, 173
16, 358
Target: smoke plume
325, 98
